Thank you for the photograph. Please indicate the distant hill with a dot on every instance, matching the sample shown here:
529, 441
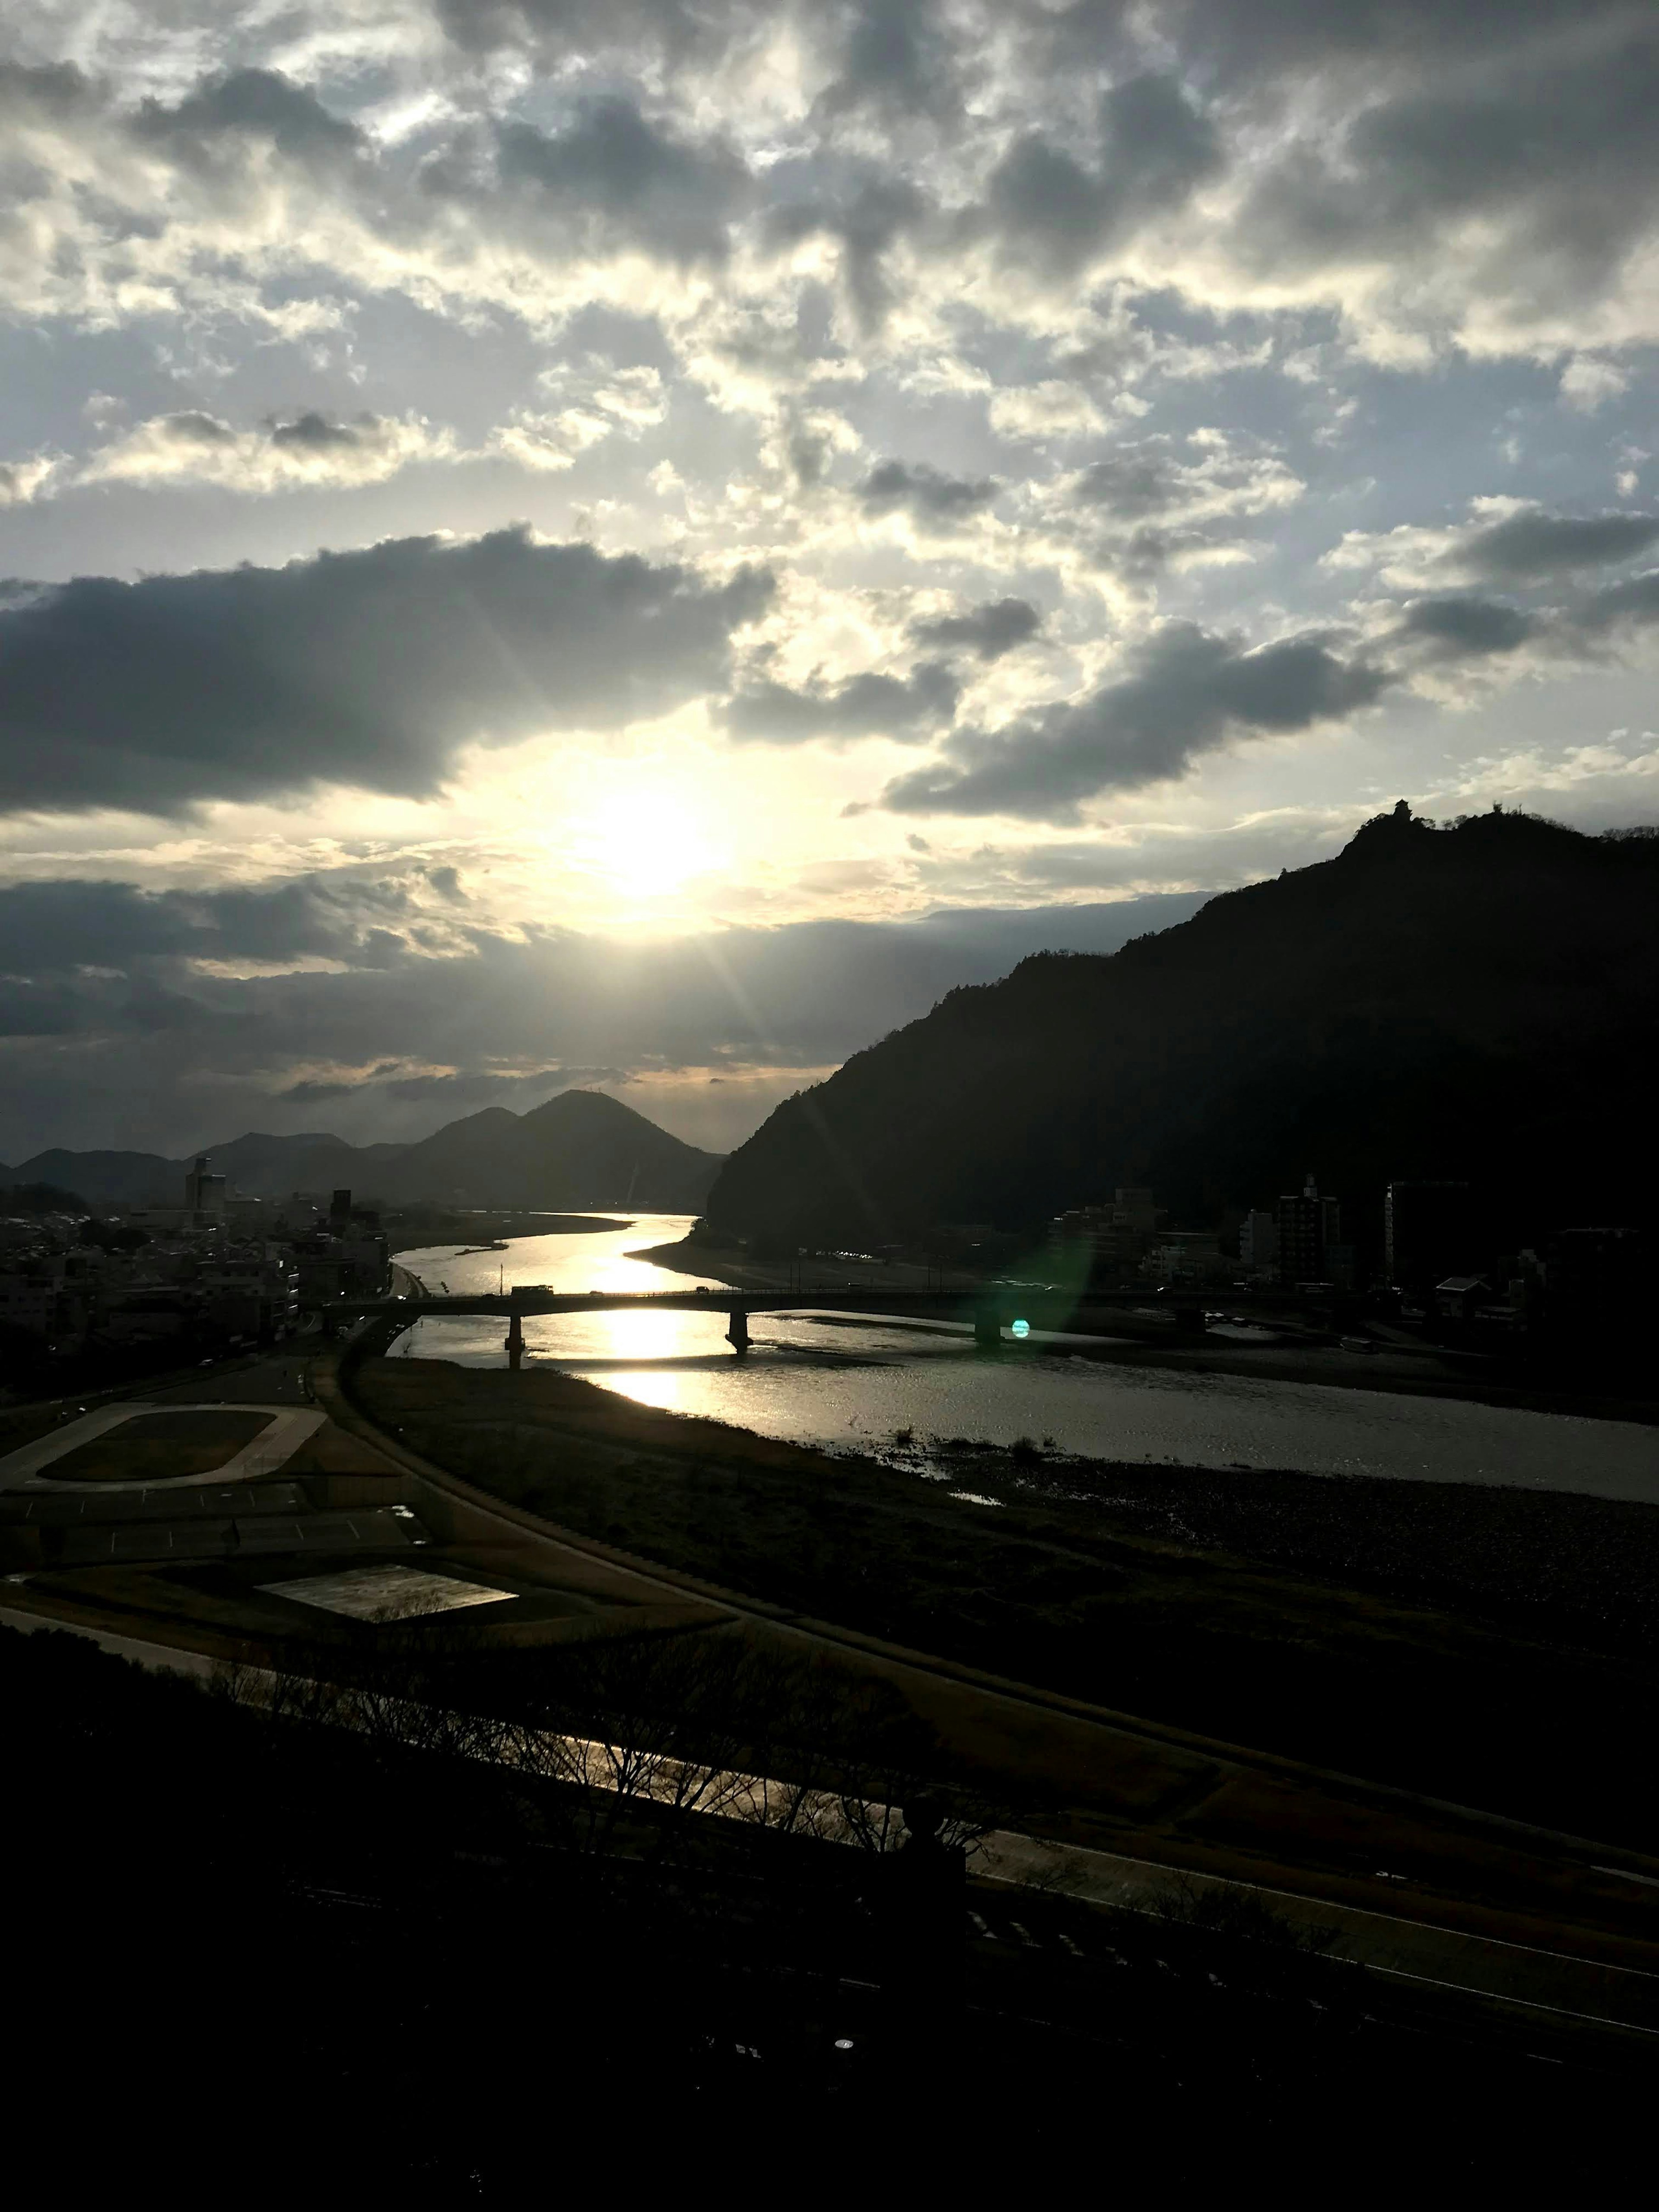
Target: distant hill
272, 1167
1474, 1001
106, 1178
580, 1150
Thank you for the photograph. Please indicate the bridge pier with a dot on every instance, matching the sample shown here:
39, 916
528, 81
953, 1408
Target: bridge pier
988, 1328
737, 1334
515, 1342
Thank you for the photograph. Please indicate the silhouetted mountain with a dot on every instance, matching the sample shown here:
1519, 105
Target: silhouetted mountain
106, 1178
270, 1167
581, 1149
1476, 1001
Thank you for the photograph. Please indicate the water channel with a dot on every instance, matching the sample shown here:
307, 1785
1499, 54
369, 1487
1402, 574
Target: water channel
823, 1381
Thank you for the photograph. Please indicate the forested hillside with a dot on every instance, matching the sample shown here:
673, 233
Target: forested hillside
1476, 1000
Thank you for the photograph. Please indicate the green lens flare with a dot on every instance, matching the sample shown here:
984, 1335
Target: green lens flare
1022, 1328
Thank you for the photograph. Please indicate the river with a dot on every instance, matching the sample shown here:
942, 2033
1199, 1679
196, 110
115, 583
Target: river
821, 1381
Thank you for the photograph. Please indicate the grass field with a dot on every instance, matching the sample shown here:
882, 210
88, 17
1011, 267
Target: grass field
160, 1446
1492, 1646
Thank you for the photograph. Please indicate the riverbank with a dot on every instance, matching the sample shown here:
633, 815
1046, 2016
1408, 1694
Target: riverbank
1140, 1340
485, 1228
1494, 1647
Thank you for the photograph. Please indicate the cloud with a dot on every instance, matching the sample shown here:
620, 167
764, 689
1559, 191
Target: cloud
867, 222
1188, 692
641, 29
1154, 150
1631, 605
306, 451
1053, 409
897, 57
371, 668
932, 500
1532, 543
629, 401
1164, 502
1525, 183
1513, 544
26, 480
865, 706
1490, 184
993, 628
610, 180
1459, 627
248, 104
56, 926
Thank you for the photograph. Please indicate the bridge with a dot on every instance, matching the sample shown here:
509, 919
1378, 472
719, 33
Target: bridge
990, 1308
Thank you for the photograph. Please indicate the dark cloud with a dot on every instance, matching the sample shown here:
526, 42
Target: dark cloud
370, 668
248, 104
932, 499
1154, 149
864, 706
58, 927
1188, 692
993, 628
638, 28
867, 220
58, 88
1557, 150
315, 1094
613, 177
1632, 604
312, 433
1140, 480
1459, 627
896, 56
1536, 545
190, 427
1236, 41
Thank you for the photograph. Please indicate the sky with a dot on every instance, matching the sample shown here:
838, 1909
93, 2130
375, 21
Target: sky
639, 541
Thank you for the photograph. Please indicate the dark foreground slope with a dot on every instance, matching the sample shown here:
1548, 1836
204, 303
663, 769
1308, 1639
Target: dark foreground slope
1475, 1001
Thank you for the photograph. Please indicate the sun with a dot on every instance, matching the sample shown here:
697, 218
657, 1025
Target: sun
646, 843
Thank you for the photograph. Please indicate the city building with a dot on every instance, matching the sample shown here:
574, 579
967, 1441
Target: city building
1099, 1243
1309, 1227
205, 1194
1187, 1256
1258, 1242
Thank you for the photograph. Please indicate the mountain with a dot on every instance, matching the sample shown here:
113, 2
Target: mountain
579, 1150
1477, 1002
106, 1178
270, 1167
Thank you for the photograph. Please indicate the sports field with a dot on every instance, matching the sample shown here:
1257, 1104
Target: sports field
159, 1446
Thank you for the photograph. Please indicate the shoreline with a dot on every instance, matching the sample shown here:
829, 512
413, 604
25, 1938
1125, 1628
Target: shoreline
1384, 1370
1190, 1596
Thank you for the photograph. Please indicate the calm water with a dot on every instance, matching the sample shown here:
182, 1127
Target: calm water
824, 1382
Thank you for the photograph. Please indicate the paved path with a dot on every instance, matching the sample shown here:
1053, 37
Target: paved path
1531, 1975
28, 1468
